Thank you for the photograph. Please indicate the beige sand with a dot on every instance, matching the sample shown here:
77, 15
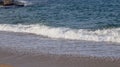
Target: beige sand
23, 60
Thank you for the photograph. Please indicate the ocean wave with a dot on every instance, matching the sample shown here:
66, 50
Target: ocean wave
26, 3
108, 35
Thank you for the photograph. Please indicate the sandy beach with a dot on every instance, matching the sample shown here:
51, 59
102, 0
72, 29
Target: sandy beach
26, 60
60, 33
12, 44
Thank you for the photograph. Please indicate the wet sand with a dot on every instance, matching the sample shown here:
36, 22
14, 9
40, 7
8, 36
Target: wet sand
10, 41
44, 60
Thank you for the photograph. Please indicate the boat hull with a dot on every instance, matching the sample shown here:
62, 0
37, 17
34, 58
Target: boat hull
13, 4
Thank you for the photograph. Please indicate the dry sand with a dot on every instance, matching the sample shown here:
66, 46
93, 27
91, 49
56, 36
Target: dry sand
26, 60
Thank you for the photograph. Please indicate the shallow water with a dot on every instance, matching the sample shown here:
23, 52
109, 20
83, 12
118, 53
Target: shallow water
34, 44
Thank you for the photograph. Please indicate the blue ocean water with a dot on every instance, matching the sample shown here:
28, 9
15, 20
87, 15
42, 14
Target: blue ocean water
96, 20
69, 27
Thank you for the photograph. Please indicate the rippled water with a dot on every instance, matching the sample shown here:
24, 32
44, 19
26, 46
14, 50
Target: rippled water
77, 14
82, 27
95, 20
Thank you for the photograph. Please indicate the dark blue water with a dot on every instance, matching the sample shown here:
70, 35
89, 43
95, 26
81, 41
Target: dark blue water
64, 25
94, 20
75, 14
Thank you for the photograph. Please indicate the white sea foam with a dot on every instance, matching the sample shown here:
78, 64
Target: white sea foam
110, 35
26, 3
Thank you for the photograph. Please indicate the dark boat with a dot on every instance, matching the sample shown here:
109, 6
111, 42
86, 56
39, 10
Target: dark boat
11, 3
1, 2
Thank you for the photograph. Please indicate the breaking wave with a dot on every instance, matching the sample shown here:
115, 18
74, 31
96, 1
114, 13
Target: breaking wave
108, 35
26, 3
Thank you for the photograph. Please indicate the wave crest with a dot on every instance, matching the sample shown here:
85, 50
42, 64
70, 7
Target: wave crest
110, 35
26, 3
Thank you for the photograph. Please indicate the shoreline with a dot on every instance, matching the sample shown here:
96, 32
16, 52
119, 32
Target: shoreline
10, 53
46, 60
27, 43
13, 44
